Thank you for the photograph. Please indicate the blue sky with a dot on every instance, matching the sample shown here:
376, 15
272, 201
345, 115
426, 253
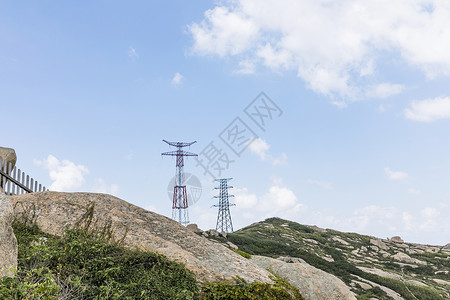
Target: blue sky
89, 90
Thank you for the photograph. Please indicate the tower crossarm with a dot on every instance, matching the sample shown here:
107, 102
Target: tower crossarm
222, 179
218, 187
179, 144
179, 153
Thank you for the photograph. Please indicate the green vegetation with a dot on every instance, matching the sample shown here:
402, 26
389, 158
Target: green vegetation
242, 253
269, 238
83, 265
374, 292
255, 290
88, 264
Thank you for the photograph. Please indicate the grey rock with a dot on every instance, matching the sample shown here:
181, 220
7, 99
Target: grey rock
400, 256
291, 260
140, 229
194, 228
446, 249
213, 232
8, 242
317, 228
311, 282
9, 155
379, 243
337, 239
363, 285
397, 239
233, 246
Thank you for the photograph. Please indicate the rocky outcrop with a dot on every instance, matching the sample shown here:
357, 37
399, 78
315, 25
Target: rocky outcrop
446, 249
140, 228
194, 228
400, 256
397, 239
8, 242
312, 283
379, 243
9, 155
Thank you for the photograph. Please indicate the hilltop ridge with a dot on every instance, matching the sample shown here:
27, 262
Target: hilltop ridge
365, 263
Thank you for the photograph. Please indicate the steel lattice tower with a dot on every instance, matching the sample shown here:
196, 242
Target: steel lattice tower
180, 203
224, 217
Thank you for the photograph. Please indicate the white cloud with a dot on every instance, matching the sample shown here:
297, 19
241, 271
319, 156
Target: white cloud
132, 53
429, 110
246, 67
322, 184
177, 79
340, 104
278, 200
66, 175
244, 199
332, 44
224, 31
384, 90
260, 148
102, 187
396, 175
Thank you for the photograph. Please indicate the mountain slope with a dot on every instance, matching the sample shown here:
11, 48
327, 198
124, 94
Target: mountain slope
52, 212
369, 266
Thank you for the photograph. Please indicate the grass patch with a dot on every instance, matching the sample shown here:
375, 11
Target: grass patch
242, 253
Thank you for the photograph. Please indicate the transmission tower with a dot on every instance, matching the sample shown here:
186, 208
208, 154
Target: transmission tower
224, 217
179, 203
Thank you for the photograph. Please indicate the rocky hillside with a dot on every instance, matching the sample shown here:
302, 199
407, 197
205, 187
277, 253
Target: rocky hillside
321, 264
208, 259
369, 266
139, 228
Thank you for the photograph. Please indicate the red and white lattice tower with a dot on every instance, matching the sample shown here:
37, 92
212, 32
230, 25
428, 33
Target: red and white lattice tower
180, 202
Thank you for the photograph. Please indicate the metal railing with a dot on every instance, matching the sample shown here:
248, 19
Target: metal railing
15, 182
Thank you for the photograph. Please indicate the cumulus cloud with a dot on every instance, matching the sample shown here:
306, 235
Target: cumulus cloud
429, 110
177, 79
396, 175
334, 46
244, 199
260, 148
66, 175
279, 199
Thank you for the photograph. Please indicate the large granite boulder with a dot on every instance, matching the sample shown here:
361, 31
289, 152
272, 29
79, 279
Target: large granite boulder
8, 242
7, 154
311, 282
140, 228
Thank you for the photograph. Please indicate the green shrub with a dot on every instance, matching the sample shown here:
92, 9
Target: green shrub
83, 265
242, 290
242, 253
